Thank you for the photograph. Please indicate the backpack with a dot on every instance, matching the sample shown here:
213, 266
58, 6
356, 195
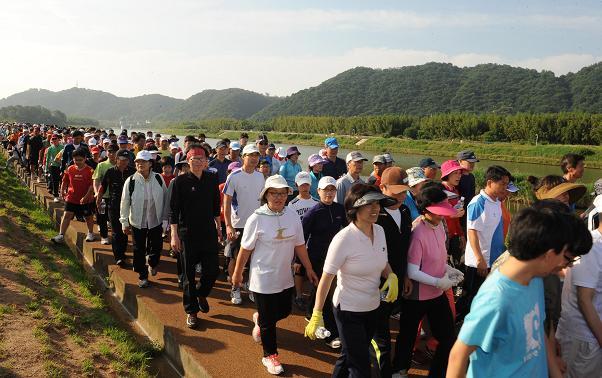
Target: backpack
133, 183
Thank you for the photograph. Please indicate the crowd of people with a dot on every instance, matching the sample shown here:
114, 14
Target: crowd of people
492, 293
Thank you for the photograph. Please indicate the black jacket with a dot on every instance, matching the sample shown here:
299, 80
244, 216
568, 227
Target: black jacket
113, 181
398, 239
320, 224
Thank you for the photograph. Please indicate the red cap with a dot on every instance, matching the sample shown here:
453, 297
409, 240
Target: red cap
95, 150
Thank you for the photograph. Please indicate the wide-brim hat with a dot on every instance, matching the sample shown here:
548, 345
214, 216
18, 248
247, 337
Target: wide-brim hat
576, 191
274, 182
450, 166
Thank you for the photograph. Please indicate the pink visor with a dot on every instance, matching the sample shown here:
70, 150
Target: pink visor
442, 208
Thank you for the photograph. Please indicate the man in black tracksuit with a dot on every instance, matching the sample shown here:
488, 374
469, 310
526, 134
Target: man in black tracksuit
195, 226
397, 224
113, 181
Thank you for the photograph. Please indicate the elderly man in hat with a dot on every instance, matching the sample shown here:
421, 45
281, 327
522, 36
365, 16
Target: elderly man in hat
355, 164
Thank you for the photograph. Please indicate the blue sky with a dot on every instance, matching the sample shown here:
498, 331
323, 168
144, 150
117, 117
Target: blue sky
181, 47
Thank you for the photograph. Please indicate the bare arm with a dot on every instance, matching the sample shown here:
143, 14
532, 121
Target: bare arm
458, 359
585, 296
323, 289
230, 232
473, 239
301, 252
241, 261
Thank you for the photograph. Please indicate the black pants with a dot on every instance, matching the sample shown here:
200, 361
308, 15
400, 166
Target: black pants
102, 221
194, 251
120, 240
272, 308
356, 330
55, 180
440, 318
147, 242
470, 287
327, 314
382, 339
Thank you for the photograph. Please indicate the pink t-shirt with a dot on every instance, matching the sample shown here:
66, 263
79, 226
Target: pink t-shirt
427, 250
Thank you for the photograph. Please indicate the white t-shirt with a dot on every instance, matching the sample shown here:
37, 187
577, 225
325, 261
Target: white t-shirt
396, 215
273, 239
358, 264
587, 272
302, 206
245, 189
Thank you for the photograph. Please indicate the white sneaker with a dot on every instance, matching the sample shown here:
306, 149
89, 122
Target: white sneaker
400, 374
143, 284
56, 199
152, 271
90, 237
334, 343
235, 296
256, 330
272, 364
105, 241
251, 296
58, 239
198, 268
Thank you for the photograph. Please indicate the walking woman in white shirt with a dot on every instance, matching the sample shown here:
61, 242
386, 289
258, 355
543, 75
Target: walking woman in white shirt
272, 236
358, 256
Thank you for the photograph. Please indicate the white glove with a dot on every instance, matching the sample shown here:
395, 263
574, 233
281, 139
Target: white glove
454, 274
165, 226
444, 283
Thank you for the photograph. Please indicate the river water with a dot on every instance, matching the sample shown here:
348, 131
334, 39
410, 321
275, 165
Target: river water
410, 160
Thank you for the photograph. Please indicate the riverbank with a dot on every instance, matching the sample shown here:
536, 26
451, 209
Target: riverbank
54, 319
548, 154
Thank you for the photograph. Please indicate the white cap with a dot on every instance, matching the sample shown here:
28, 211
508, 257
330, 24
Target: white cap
106, 140
144, 155
598, 203
250, 149
87, 135
302, 178
173, 145
355, 156
327, 181
92, 142
275, 182
163, 138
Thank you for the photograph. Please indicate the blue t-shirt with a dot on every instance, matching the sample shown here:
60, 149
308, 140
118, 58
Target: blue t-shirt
506, 324
289, 170
411, 204
485, 216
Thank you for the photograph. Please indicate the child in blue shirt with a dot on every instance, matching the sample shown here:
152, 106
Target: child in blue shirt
504, 333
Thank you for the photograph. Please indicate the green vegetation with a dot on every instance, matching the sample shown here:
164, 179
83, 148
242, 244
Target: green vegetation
32, 114
81, 121
511, 152
61, 296
434, 88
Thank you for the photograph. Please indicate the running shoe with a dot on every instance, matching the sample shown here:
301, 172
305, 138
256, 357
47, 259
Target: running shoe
334, 343
400, 374
192, 321
143, 284
90, 237
152, 271
56, 199
105, 241
58, 239
235, 296
204, 305
272, 364
256, 330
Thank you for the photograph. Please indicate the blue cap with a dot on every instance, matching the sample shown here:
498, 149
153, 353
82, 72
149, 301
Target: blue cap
331, 142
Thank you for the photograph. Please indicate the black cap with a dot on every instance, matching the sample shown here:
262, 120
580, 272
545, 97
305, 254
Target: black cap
467, 155
221, 143
428, 162
262, 138
271, 146
123, 153
113, 148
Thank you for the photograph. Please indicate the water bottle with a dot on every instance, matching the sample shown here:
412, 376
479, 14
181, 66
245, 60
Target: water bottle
322, 333
103, 207
460, 203
237, 234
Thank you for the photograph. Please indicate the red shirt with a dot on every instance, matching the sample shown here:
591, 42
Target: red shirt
454, 227
80, 181
167, 179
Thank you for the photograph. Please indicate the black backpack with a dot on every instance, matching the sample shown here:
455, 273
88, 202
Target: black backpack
133, 182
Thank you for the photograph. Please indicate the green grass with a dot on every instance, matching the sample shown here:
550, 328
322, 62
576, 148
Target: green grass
512, 152
62, 293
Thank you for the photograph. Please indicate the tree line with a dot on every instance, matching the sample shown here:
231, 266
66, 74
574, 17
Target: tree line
33, 114
552, 128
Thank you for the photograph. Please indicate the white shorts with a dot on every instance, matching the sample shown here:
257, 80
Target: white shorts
583, 359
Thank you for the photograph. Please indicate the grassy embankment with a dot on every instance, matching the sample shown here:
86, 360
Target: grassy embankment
512, 152
48, 296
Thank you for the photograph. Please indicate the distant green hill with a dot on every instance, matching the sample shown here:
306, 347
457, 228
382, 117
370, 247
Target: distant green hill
209, 104
439, 88
94, 104
426, 89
